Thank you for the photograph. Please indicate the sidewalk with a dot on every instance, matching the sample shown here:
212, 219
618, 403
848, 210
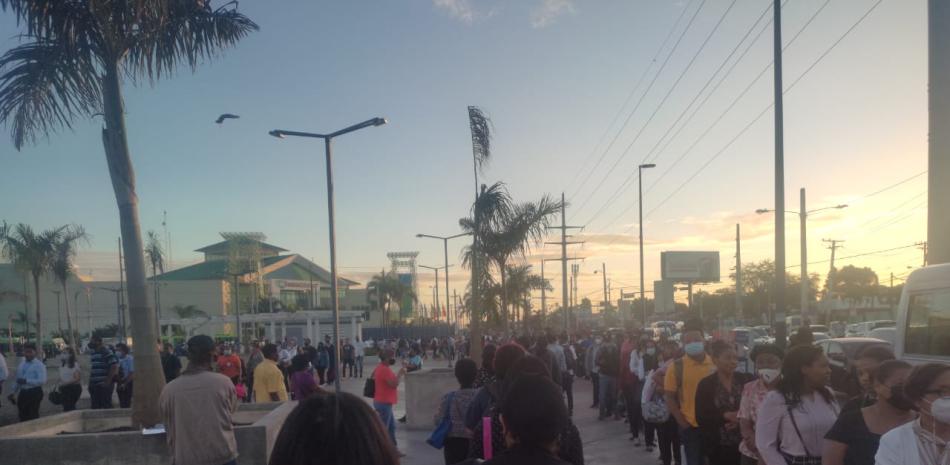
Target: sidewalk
605, 442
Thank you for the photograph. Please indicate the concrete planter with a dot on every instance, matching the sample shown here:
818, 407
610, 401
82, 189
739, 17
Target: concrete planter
83, 437
424, 391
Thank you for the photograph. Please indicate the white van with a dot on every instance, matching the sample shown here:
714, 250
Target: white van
923, 317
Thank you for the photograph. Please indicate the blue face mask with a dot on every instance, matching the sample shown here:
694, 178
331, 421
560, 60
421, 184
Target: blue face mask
694, 348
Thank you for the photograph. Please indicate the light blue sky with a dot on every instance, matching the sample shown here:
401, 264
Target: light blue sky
552, 74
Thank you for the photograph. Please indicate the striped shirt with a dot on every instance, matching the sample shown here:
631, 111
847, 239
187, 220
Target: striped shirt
100, 363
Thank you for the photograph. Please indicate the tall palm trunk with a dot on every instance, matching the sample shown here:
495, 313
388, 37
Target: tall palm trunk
39, 319
148, 371
70, 339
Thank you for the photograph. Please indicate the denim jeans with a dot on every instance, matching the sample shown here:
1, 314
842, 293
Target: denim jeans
608, 395
692, 441
386, 416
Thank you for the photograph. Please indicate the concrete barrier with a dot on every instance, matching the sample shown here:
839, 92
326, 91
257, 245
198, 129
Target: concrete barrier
424, 391
83, 437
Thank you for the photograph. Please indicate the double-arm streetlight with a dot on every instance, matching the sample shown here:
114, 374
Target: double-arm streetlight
436, 287
643, 297
335, 296
803, 220
445, 248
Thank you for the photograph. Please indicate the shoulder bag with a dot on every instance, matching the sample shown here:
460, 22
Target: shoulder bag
441, 432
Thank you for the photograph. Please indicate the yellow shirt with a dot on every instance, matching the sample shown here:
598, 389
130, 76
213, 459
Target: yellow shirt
268, 379
693, 373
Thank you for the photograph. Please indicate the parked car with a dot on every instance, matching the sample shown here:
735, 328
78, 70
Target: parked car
886, 333
819, 329
923, 332
842, 353
838, 329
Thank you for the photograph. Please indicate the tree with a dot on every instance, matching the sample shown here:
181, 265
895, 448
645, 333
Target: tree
32, 253
855, 284
519, 285
64, 252
505, 229
72, 65
156, 257
386, 287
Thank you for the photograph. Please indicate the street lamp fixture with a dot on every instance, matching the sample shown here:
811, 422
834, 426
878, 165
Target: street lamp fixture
445, 245
334, 280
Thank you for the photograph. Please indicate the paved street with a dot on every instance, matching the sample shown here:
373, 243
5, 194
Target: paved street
605, 442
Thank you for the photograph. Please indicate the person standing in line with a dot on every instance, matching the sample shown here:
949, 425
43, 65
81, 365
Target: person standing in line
70, 385
768, 364
332, 369
608, 360
593, 371
253, 360
864, 366
717, 405
359, 351
679, 387
30, 378
302, 384
197, 409
643, 360
322, 362
923, 441
386, 394
349, 359
630, 384
794, 419
668, 437
486, 373
570, 359
268, 379
284, 356
230, 364
126, 375
171, 365
854, 438
455, 404
103, 370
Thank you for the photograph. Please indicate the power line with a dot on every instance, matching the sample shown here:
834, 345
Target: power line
767, 108
626, 102
640, 100
916, 244
623, 186
896, 184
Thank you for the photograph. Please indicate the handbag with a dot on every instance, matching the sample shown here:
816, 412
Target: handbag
240, 390
55, 396
653, 405
441, 432
369, 387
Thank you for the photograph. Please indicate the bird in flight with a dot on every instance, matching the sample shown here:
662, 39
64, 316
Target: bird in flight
225, 116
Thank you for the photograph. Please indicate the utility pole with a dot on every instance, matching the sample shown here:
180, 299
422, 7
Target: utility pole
835, 245
802, 218
738, 273
938, 102
779, 179
575, 268
923, 246
603, 271
564, 243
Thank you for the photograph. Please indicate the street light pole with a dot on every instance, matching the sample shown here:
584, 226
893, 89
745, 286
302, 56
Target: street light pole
445, 249
643, 297
436, 269
802, 218
335, 296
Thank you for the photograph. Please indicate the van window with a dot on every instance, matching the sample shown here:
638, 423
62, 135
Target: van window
928, 324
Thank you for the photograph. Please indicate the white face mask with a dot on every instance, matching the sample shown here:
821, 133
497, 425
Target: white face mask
768, 375
940, 409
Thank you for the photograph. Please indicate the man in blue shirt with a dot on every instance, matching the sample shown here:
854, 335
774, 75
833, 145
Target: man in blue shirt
30, 378
126, 374
103, 369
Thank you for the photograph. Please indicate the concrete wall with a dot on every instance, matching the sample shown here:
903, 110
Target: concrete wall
424, 391
41, 441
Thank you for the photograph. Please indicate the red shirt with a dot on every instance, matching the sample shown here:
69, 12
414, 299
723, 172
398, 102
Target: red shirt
385, 394
229, 365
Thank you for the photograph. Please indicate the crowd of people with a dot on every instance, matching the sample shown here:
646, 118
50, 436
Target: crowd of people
688, 401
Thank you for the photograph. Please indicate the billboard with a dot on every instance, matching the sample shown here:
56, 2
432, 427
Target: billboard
690, 267
663, 297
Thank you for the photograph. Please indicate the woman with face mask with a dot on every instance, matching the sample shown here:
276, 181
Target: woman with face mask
854, 438
794, 418
923, 441
643, 360
717, 406
768, 363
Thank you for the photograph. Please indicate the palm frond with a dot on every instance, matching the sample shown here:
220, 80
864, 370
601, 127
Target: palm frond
188, 33
481, 128
43, 86
154, 252
69, 22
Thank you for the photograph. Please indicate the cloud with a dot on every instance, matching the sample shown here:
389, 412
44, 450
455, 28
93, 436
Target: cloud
548, 11
459, 9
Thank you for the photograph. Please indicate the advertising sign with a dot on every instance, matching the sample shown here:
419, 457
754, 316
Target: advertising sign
686, 267
663, 297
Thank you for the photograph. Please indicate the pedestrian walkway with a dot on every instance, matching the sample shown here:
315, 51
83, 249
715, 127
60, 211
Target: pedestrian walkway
605, 442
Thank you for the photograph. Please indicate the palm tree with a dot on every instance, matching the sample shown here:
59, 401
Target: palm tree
72, 66
189, 311
388, 288
156, 257
511, 232
32, 253
481, 128
520, 283
64, 251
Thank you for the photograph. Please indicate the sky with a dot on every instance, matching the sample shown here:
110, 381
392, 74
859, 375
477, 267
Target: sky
579, 93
